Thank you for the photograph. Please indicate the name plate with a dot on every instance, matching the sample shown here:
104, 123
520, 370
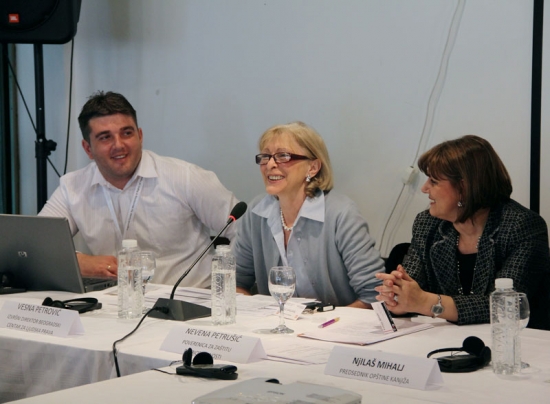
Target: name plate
383, 367
37, 319
230, 346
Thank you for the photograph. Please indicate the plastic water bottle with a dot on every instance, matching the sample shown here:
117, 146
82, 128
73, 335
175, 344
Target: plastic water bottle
504, 327
224, 303
130, 290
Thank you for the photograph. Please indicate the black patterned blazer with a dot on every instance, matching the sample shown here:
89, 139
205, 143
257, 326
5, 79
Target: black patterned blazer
514, 244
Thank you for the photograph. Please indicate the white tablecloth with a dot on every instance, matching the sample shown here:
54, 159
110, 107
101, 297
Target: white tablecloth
32, 364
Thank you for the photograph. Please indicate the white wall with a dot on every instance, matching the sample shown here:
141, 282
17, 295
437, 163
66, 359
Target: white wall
208, 77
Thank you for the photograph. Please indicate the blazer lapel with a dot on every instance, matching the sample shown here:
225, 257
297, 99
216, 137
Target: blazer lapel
486, 255
443, 259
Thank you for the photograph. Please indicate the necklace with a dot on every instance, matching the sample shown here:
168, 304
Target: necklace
460, 290
285, 227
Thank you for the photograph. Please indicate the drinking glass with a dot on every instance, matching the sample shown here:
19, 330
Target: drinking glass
148, 266
282, 282
524, 314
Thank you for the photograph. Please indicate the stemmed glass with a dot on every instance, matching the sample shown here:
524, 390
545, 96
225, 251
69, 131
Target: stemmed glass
524, 313
148, 266
282, 282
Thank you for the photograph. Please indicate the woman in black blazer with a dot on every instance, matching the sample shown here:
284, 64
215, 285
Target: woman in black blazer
472, 234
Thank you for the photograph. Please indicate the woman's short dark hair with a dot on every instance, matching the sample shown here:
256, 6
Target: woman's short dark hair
103, 104
474, 169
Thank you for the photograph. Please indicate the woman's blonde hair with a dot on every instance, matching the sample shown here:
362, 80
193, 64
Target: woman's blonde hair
315, 148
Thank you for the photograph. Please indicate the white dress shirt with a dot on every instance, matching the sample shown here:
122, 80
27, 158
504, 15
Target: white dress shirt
176, 209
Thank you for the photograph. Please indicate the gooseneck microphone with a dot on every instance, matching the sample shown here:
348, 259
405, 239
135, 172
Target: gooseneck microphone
179, 310
237, 211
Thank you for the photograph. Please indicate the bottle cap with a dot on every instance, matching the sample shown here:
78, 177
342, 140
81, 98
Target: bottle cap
504, 283
129, 243
223, 248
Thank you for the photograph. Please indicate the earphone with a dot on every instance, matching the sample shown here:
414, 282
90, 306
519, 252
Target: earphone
203, 366
478, 356
81, 304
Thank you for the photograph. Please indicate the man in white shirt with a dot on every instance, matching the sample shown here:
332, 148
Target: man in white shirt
170, 206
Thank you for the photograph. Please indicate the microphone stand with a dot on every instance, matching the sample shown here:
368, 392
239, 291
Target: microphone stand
178, 310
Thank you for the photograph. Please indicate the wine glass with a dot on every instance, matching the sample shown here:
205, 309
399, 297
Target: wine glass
282, 282
148, 266
524, 313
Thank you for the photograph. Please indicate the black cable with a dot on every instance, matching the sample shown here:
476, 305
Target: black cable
69, 112
164, 371
126, 336
22, 96
29, 112
51, 164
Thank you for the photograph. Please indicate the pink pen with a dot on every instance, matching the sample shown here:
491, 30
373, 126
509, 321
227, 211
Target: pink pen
329, 322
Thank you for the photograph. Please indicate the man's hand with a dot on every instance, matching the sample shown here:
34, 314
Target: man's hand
103, 266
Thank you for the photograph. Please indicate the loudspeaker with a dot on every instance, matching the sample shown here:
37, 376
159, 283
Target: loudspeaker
38, 21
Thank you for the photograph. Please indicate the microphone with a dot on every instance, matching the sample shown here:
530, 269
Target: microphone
179, 310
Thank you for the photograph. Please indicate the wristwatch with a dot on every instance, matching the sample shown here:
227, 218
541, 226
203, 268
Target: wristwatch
437, 309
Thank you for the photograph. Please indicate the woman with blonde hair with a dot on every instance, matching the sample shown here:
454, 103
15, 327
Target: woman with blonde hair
303, 223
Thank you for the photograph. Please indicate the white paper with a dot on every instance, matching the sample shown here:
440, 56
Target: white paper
296, 352
348, 331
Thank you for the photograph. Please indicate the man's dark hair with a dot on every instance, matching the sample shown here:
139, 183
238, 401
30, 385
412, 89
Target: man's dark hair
103, 104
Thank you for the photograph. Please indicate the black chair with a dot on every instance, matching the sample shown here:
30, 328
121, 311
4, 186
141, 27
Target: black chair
397, 254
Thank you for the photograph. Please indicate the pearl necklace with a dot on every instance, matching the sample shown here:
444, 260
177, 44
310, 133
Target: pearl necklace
285, 227
460, 291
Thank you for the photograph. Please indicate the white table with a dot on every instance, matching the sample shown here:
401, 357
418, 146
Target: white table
34, 364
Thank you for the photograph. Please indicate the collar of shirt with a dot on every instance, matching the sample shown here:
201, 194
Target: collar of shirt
146, 169
312, 208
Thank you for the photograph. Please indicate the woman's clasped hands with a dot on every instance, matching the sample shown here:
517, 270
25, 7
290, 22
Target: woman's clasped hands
400, 292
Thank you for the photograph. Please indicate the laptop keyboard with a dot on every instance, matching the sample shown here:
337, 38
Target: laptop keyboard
94, 281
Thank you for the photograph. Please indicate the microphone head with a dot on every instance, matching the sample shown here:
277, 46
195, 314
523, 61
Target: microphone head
237, 211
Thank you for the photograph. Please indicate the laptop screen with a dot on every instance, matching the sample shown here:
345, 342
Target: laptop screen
38, 254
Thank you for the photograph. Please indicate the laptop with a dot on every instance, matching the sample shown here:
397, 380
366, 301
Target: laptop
37, 253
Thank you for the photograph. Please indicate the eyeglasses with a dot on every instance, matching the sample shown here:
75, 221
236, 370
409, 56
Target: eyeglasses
279, 158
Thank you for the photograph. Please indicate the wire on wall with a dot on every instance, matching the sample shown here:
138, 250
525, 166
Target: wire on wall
433, 101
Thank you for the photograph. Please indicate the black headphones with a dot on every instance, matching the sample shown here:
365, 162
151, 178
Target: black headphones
81, 304
203, 366
478, 356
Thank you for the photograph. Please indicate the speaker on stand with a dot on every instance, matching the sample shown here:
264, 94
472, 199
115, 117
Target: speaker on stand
38, 22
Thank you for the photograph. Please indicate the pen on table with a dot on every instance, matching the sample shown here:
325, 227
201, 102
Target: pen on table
329, 322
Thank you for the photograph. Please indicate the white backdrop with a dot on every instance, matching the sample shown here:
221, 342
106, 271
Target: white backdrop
208, 77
